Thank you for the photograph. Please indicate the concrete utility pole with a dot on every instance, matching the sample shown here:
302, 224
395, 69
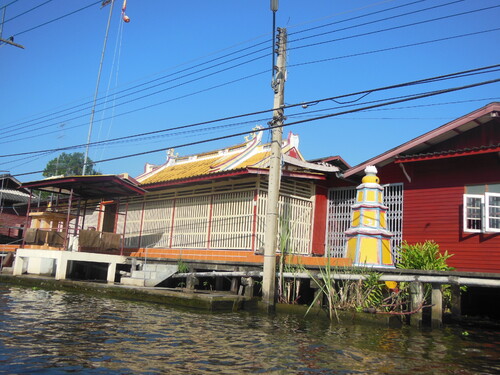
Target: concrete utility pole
271, 232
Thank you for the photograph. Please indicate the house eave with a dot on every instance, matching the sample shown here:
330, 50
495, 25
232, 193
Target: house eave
440, 134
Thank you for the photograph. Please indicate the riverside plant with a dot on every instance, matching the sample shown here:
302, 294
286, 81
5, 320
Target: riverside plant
288, 290
364, 291
426, 256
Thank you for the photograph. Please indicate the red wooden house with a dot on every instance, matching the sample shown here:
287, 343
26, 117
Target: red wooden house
442, 186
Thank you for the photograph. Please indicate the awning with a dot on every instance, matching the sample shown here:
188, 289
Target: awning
88, 187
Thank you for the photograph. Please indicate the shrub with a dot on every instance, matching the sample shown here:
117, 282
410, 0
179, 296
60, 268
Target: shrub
423, 256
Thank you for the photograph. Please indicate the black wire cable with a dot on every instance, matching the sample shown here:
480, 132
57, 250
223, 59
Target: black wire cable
187, 69
27, 11
461, 74
420, 96
215, 59
134, 110
6, 5
16, 126
395, 47
393, 28
104, 100
163, 102
16, 130
356, 17
377, 21
58, 18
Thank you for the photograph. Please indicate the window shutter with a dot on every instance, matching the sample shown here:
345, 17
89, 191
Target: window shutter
492, 212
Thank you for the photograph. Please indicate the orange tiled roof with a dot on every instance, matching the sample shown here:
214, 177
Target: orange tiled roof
254, 159
181, 171
198, 167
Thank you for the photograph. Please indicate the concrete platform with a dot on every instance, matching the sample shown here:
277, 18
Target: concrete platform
55, 262
199, 300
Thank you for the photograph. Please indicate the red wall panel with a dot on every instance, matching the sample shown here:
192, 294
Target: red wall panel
319, 226
433, 204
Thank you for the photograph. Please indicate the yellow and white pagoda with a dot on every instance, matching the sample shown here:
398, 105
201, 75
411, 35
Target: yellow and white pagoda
368, 240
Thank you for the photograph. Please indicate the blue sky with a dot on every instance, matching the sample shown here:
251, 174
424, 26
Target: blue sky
157, 74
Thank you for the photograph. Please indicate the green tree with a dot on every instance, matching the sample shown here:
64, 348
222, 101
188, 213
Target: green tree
69, 165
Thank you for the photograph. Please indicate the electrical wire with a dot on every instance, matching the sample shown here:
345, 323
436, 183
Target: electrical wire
355, 18
395, 47
193, 80
57, 19
137, 109
375, 21
415, 97
27, 11
6, 5
187, 69
392, 28
460, 74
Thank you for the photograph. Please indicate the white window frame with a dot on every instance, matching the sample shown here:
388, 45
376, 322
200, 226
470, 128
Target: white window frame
466, 217
488, 205
484, 214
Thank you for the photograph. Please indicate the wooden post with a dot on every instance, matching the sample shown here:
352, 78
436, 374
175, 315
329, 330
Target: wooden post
456, 301
417, 300
191, 282
219, 283
234, 285
249, 283
437, 306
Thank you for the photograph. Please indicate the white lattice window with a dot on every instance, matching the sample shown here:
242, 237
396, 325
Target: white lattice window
294, 215
481, 212
340, 201
130, 223
232, 220
191, 222
157, 223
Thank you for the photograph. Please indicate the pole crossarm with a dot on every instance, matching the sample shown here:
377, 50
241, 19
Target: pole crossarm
7, 41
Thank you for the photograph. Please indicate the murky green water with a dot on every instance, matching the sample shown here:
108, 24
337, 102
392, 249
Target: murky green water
52, 332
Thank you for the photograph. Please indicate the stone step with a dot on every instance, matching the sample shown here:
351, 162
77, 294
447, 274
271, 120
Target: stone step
151, 275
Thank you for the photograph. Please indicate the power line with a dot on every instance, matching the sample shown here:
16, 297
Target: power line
190, 68
27, 11
6, 5
461, 74
142, 84
395, 47
415, 97
139, 109
393, 28
375, 21
17, 126
58, 18
305, 63
138, 98
357, 17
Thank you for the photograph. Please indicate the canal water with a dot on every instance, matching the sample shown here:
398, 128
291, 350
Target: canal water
54, 332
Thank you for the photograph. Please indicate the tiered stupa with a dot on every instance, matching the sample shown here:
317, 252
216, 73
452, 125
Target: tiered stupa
368, 240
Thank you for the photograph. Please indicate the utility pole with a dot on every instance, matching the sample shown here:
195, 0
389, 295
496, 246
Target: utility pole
271, 232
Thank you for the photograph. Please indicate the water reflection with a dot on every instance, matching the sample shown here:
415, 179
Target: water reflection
57, 332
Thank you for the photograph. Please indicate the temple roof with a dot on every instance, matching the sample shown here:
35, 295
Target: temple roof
235, 160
